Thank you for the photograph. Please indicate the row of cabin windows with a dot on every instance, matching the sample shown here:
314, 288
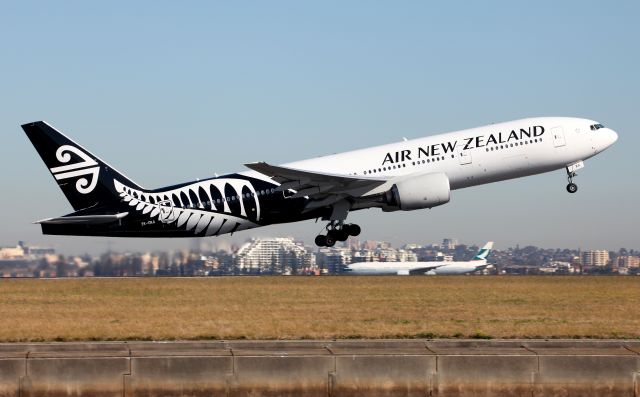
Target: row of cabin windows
393, 167
492, 148
233, 198
508, 145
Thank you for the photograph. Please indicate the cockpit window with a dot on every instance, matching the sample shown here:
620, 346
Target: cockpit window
596, 127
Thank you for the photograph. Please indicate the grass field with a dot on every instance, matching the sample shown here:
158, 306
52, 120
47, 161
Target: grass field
319, 307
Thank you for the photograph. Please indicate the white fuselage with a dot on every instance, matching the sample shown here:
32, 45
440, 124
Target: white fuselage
406, 268
474, 156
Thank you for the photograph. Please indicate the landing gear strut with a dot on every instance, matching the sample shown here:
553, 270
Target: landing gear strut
337, 231
571, 173
571, 187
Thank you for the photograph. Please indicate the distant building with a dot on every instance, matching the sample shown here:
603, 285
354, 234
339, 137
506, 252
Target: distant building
406, 256
595, 258
364, 255
628, 261
333, 260
436, 256
273, 256
22, 251
449, 243
17, 252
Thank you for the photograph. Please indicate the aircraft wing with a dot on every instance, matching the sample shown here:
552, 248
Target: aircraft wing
424, 269
314, 184
482, 267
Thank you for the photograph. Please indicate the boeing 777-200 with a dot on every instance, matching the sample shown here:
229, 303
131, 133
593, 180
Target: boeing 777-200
479, 262
407, 175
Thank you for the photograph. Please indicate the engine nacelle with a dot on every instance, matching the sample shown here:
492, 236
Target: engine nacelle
419, 192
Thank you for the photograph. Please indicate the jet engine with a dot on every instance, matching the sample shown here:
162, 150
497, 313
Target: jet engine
419, 192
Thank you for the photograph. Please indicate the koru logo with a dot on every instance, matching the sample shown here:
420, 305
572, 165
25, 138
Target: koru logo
87, 166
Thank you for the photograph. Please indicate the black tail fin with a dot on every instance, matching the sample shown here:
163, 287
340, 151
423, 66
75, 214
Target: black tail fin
86, 180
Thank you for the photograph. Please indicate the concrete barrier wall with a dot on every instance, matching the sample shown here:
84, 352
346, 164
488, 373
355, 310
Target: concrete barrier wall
322, 368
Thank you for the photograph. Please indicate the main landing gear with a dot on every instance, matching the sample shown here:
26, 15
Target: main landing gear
337, 231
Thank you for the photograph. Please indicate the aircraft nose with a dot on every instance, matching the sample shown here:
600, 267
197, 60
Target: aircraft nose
612, 137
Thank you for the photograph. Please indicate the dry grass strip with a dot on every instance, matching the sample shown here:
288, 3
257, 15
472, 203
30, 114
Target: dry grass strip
319, 307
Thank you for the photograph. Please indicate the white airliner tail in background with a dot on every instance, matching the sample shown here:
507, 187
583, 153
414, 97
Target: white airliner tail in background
479, 262
484, 252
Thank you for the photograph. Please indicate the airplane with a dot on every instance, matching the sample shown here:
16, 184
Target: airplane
403, 176
479, 262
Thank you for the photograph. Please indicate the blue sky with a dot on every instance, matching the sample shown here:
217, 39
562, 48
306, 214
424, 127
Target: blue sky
173, 91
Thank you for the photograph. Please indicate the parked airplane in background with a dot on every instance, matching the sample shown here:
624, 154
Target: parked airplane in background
479, 262
408, 175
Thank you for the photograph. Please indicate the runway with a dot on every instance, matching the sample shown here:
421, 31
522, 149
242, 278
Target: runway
323, 368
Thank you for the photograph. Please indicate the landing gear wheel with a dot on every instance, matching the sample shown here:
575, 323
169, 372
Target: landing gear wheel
341, 235
330, 241
571, 187
337, 231
353, 229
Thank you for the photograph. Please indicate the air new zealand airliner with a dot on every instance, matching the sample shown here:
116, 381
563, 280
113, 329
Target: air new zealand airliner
403, 176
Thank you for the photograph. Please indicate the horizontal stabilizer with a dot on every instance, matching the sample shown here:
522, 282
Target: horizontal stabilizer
84, 219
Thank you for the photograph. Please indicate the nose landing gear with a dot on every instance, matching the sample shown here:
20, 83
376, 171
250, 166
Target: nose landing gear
337, 231
571, 173
571, 187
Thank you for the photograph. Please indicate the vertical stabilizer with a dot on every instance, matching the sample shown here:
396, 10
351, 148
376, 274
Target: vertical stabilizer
84, 179
484, 252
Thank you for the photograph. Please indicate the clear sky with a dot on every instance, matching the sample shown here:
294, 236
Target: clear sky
172, 91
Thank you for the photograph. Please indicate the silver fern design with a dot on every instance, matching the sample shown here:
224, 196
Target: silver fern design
87, 166
208, 208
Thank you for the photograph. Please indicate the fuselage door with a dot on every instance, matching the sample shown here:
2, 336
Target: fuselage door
167, 213
558, 136
465, 157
